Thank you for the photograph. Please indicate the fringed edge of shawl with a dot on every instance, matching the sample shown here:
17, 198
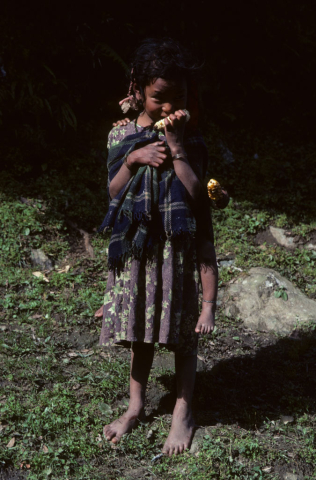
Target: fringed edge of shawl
117, 263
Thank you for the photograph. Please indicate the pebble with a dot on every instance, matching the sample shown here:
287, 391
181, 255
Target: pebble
286, 419
290, 476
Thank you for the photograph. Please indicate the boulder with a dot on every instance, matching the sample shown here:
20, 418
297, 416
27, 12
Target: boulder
252, 298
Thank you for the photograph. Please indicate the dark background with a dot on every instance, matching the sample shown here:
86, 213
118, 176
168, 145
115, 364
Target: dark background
64, 71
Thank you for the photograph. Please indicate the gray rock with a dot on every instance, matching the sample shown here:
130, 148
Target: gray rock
310, 246
226, 263
39, 259
290, 476
281, 238
285, 419
197, 440
194, 447
252, 298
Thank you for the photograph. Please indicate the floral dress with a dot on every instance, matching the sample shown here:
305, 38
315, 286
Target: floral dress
153, 300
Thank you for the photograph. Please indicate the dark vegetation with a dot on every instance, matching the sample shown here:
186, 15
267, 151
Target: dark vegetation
63, 72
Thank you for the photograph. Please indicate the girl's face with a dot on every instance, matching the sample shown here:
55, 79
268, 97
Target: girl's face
163, 97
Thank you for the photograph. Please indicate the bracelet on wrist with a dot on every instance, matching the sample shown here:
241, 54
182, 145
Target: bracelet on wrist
179, 156
208, 301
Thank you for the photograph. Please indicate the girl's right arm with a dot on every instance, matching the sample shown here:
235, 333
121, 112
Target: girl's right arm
153, 155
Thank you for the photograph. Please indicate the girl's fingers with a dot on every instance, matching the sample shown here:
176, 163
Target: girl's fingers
172, 117
178, 114
167, 122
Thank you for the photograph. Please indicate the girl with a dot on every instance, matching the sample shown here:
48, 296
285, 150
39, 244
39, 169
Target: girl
161, 243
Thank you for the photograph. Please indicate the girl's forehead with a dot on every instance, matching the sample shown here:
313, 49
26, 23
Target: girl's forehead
162, 85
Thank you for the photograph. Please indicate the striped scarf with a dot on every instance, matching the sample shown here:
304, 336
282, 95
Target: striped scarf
153, 205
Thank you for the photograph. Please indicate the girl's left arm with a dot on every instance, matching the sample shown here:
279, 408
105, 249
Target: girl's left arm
186, 175
174, 132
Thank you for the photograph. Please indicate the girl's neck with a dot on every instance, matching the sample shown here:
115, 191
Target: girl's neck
144, 120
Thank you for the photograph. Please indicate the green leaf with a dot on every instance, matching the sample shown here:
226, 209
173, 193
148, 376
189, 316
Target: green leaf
27, 231
105, 409
284, 295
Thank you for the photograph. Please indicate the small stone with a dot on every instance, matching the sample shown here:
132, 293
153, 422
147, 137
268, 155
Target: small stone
290, 476
286, 419
310, 246
39, 258
226, 263
282, 238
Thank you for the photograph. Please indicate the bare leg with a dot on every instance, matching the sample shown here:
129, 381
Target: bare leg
209, 280
141, 361
182, 427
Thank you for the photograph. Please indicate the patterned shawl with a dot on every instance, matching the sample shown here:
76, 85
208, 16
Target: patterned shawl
153, 205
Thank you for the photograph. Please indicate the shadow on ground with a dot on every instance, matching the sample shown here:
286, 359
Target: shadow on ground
278, 380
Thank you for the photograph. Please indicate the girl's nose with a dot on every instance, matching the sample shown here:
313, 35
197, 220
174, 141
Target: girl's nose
168, 108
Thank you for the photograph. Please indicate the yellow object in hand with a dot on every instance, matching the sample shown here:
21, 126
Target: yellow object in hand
214, 190
160, 125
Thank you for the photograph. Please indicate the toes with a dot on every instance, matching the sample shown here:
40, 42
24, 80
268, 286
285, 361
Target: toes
171, 451
108, 433
165, 450
115, 440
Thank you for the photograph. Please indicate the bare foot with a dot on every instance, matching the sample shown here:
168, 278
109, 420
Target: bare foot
99, 312
206, 320
124, 424
182, 429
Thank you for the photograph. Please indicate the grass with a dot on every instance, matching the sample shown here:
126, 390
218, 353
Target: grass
58, 389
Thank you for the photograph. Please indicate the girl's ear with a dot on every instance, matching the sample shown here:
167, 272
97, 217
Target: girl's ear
138, 93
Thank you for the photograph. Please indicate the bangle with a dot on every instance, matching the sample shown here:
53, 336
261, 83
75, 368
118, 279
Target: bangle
130, 167
179, 155
208, 301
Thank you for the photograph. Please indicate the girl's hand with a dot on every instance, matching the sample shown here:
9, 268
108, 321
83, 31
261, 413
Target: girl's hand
121, 123
223, 201
153, 155
174, 131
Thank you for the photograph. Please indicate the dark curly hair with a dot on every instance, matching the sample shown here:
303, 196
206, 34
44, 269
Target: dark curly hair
161, 58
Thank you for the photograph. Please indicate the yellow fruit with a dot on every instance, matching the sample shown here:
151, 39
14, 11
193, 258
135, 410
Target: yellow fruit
214, 190
160, 125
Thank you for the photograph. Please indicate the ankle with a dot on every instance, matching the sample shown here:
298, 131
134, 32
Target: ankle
183, 403
135, 407
208, 307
